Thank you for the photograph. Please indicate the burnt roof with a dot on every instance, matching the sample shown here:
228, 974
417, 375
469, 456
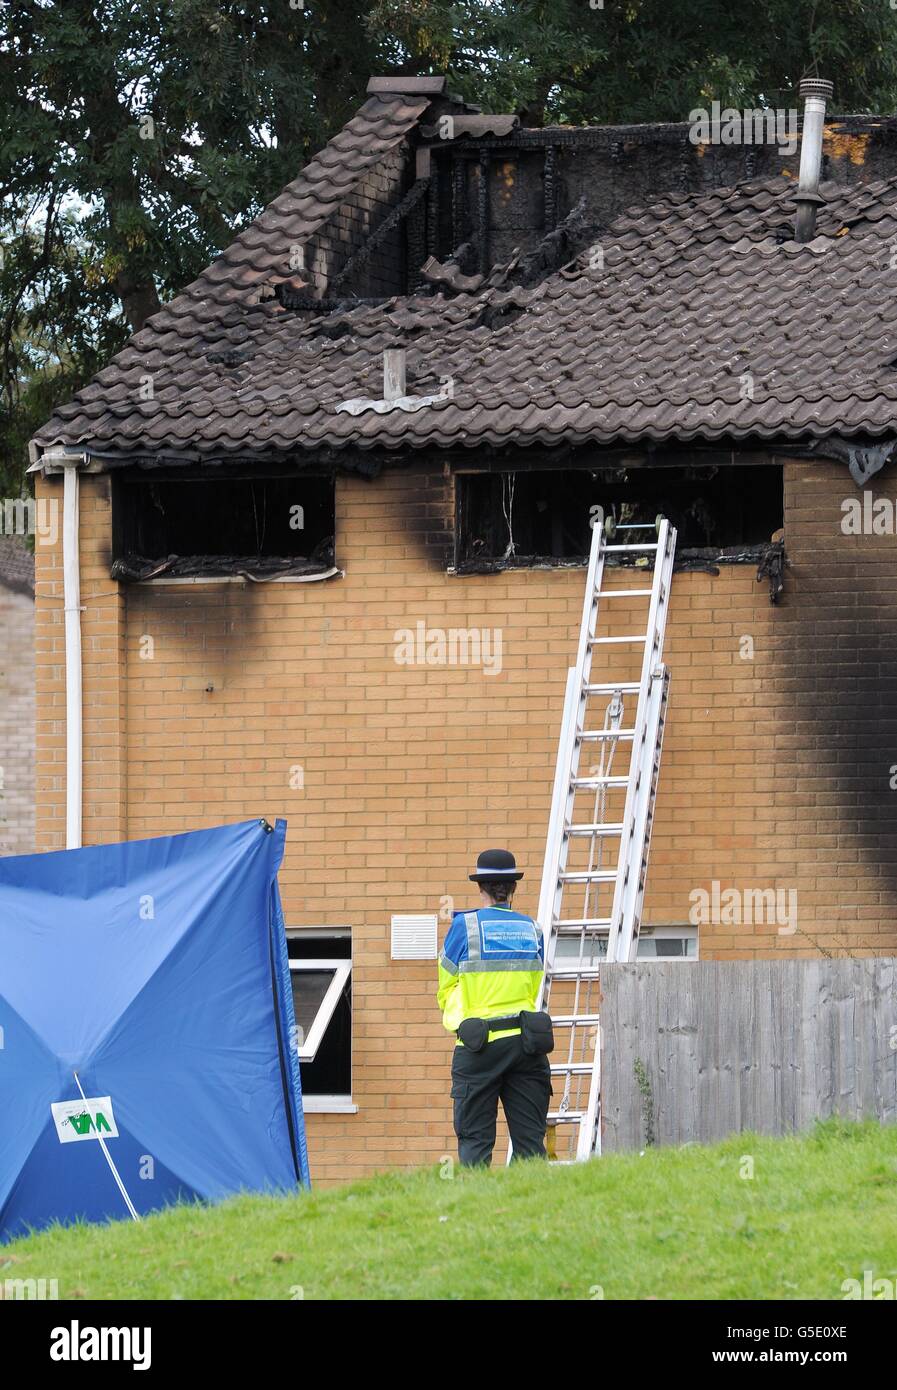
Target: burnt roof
697, 318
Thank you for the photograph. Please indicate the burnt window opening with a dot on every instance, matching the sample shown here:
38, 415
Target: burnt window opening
222, 525
506, 520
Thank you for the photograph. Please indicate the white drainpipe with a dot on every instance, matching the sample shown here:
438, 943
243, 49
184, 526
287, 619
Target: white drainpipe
71, 571
51, 461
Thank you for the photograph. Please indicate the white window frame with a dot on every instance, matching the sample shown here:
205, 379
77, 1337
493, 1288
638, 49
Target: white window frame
342, 970
684, 931
329, 1105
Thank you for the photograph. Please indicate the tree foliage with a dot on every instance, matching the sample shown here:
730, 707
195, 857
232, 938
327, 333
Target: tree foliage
138, 135
649, 60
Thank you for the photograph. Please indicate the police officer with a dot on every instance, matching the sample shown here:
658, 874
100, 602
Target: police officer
490, 972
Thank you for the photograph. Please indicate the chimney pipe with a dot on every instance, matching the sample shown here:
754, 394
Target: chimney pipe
816, 91
393, 374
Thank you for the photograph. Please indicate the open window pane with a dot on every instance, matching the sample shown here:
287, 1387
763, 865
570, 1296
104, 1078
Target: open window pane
222, 525
318, 986
309, 990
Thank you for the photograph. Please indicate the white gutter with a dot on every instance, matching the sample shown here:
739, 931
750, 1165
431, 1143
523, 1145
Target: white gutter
51, 461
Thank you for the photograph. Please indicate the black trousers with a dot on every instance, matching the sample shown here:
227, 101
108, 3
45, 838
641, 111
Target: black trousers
502, 1071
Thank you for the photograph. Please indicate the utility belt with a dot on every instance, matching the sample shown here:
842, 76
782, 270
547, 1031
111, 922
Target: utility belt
536, 1029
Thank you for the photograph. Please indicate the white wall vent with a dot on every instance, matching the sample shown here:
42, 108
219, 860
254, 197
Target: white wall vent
414, 936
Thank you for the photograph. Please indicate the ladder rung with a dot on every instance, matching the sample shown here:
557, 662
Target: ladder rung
610, 641
575, 972
612, 687
590, 876
593, 783
592, 735
596, 828
575, 1020
569, 1117
622, 549
572, 1068
582, 922
626, 593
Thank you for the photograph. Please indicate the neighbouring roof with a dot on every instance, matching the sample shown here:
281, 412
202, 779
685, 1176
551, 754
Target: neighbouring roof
16, 565
697, 318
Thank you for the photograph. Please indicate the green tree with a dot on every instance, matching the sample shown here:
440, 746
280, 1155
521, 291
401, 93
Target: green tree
585, 62
138, 135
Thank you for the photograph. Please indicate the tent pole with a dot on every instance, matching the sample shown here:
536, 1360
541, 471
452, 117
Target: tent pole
121, 1187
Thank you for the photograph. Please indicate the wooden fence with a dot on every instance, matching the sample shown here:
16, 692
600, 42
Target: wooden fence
698, 1050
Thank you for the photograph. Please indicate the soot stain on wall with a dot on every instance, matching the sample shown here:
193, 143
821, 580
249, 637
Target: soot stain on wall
837, 648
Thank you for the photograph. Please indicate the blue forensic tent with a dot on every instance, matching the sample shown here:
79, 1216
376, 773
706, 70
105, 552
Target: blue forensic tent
155, 974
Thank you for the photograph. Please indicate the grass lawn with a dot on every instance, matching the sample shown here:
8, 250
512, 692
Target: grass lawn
673, 1223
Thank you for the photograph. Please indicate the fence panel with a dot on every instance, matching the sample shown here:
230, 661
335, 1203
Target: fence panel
724, 1046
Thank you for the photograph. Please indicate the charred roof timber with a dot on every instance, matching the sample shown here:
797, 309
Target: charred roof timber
816, 91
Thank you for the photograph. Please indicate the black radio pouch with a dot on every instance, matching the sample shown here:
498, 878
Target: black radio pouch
473, 1032
538, 1034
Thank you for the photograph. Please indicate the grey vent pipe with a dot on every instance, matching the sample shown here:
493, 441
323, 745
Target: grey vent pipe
816, 91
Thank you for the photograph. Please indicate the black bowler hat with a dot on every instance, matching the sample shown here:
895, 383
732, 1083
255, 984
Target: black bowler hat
493, 864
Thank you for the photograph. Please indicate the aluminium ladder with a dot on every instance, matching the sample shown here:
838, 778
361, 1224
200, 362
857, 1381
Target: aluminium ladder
600, 823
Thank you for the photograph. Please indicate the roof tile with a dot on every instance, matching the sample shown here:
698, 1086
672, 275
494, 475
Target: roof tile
697, 321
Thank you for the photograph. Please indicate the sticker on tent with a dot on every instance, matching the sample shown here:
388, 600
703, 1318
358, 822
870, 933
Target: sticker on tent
84, 1119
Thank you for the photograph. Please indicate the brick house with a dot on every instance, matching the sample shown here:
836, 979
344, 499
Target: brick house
334, 506
16, 696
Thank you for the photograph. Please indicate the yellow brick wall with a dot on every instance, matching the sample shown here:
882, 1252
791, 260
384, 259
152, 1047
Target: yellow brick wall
409, 771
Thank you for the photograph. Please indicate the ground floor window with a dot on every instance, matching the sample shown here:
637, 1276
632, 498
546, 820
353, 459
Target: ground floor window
655, 943
321, 975
506, 519
222, 524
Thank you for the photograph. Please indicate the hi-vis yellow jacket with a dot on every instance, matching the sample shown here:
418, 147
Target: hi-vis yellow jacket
491, 965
